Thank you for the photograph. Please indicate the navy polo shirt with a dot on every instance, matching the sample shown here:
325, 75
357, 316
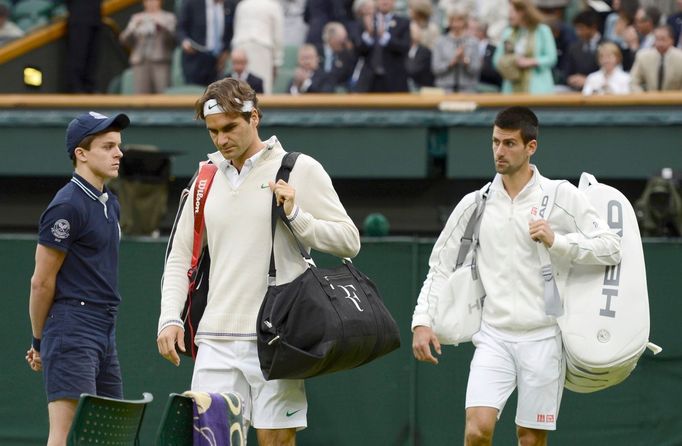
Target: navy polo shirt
83, 222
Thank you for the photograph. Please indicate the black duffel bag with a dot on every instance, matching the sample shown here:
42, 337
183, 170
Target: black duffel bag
323, 321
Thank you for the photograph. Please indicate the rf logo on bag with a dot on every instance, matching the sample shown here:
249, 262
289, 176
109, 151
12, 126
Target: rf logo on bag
350, 294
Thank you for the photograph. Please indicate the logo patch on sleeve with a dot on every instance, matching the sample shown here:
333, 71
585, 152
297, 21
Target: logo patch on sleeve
60, 229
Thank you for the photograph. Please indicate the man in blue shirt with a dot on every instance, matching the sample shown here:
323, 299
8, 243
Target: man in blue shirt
74, 289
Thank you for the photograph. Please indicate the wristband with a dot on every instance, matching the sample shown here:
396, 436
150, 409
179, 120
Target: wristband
35, 344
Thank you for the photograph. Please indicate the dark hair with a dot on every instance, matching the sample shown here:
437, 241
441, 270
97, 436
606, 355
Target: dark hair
519, 118
654, 14
628, 9
86, 142
588, 18
230, 94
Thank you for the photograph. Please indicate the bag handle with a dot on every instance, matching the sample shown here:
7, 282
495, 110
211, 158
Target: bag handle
586, 180
202, 185
288, 163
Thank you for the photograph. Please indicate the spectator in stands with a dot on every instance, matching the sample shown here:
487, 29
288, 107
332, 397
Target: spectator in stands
355, 26
420, 14
151, 34
384, 43
204, 31
337, 56
581, 58
320, 12
658, 68
610, 78
564, 37
308, 77
494, 13
240, 62
295, 27
621, 21
489, 76
418, 62
527, 53
456, 61
82, 39
8, 29
646, 20
619, 28
675, 22
259, 30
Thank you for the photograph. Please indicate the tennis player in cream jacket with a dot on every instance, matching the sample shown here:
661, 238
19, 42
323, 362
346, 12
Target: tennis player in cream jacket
238, 232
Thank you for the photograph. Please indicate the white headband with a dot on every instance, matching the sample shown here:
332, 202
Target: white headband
211, 107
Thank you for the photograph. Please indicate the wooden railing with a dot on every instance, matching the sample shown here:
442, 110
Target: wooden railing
52, 32
452, 102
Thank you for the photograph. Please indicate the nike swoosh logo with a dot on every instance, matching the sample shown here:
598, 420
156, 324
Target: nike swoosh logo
212, 106
294, 412
264, 186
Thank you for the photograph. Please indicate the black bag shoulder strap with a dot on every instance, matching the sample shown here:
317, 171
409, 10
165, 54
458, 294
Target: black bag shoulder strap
283, 173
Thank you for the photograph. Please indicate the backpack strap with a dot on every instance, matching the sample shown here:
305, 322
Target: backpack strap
288, 162
553, 306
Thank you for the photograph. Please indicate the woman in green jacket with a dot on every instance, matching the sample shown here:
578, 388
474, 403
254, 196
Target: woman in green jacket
527, 52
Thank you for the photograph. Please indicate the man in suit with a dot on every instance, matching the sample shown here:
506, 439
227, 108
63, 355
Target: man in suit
318, 13
646, 20
384, 44
337, 57
240, 62
658, 68
486, 49
675, 21
308, 77
82, 40
418, 62
204, 32
581, 58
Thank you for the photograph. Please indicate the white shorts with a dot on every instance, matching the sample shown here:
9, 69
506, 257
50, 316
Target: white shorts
224, 366
536, 367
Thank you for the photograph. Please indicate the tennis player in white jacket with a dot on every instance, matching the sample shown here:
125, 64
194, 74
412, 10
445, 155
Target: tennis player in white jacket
519, 343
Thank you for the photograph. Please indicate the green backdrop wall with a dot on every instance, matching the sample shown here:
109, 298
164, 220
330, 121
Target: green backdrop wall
393, 401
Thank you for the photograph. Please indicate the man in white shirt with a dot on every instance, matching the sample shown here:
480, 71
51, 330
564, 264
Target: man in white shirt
238, 232
519, 344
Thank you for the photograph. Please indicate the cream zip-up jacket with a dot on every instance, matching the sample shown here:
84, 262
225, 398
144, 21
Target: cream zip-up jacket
508, 259
239, 241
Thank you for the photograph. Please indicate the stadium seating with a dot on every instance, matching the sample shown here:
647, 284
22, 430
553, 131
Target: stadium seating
33, 9
176, 423
286, 72
100, 420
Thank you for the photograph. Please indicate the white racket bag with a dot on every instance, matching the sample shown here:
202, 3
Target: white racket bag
605, 326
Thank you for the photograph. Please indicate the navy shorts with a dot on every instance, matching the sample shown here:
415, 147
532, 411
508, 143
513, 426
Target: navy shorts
78, 351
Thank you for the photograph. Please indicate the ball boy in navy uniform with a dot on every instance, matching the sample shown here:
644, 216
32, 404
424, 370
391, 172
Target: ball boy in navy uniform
74, 289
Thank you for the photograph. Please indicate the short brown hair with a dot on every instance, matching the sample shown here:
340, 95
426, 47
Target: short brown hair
87, 141
230, 94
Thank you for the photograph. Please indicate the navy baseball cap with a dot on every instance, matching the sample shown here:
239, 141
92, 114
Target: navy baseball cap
88, 124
